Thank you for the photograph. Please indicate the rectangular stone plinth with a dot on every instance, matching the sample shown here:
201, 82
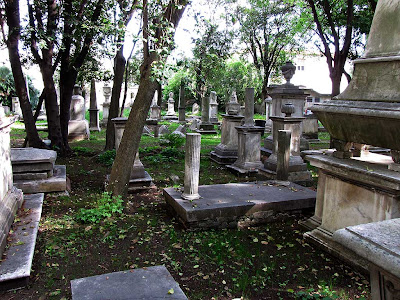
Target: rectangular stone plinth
147, 283
222, 205
32, 160
222, 159
15, 269
56, 183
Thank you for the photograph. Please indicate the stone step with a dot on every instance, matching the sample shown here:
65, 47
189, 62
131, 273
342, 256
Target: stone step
15, 268
147, 283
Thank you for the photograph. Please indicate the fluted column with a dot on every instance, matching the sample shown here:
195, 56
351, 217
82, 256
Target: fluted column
192, 166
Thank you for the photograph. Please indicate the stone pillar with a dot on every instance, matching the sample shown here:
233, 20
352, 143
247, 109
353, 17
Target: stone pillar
226, 152
93, 110
106, 104
16, 107
195, 109
192, 167
249, 139
139, 178
155, 110
213, 108
78, 127
11, 198
268, 121
171, 105
182, 105
282, 168
297, 167
206, 127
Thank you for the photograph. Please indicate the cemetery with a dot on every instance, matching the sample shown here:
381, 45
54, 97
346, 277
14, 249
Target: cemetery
210, 177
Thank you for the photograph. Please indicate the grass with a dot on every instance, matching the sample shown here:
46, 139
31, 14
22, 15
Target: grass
272, 261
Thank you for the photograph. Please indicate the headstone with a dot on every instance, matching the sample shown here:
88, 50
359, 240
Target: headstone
16, 107
206, 127
298, 171
139, 178
353, 191
155, 110
192, 166
182, 105
171, 105
194, 125
249, 139
195, 109
213, 108
106, 103
164, 130
180, 130
10, 196
78, 127
226, 152
93, 110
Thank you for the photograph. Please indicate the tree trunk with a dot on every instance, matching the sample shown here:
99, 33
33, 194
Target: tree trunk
119, 68
13, 22
120, 173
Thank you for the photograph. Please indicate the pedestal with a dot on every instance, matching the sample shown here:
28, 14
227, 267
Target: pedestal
248, 161
78, 130
226, 152
94, 120
106, 110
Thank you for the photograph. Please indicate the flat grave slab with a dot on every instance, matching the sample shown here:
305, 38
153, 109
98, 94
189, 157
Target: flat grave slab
32, 156
15, 269
147, 283
227, 203
56, 183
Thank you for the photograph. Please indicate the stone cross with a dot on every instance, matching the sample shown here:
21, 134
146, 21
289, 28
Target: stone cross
192, 167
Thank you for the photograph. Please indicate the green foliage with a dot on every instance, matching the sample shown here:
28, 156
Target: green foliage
82, 150
183, 77
158, 154
172, 140
105, 207
107, 157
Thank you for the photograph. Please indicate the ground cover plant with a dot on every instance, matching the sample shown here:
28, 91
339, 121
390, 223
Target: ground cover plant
89, 233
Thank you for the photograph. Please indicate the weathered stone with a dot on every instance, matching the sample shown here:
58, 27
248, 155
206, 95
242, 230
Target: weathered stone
31, 156
147, 283
164, 130
233, 106
213, 108
16, 107
283, 155
206, 127
192, 166
195, 109
171, 105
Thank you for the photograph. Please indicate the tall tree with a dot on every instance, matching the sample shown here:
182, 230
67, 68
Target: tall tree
340, 24
126, 12
270, 30
10, 12
159, 20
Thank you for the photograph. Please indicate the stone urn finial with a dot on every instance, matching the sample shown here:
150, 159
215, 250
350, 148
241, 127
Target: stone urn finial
77, 90
106, 89
288, 71
288, 109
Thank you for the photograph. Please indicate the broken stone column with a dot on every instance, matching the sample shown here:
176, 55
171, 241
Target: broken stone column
93, 110
106, 104
268, 121
297, 167
78, 127
11, 198
282, 167
192, 167
249, 139
206, 127
182, 105
213, 108
226, 152
139, 178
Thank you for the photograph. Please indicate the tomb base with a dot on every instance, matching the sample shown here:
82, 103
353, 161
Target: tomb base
206, 129
351, 192
222, 157
78, 130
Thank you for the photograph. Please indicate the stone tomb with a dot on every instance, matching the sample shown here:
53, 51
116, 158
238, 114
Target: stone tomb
34, 171
377, 244
147, 283
223, 205
78, 127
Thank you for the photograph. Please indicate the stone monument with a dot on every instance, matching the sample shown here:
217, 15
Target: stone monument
93, 110
78, 127
366, 189
206, 127
282, 94
226, 152
213, 108
106, 103
249, 140
182, 105
268, 121
16, 107
195, 109
192, 167
171, 105
139, 178
155, 110
297, 167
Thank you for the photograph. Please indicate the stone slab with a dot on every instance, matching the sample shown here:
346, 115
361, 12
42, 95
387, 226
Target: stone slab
222, 159
234, 200
202, 131
137, 184
242, 172
30, 168
377, 242
32, 156
15, 269
147, 283
32, 176
57, 183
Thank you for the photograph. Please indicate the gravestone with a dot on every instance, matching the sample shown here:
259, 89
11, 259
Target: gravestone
16, 107
195, 109
353, 191
225, 153
106, 103
182, 105
213, 108
206, 127
78, 127
171, 105
249, 139
139, 178
298, 171
93, 110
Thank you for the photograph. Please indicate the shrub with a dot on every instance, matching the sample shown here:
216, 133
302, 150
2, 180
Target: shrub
107, 157
172, 140
105, 207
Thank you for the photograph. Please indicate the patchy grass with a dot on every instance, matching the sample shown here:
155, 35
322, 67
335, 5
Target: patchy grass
272, 261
